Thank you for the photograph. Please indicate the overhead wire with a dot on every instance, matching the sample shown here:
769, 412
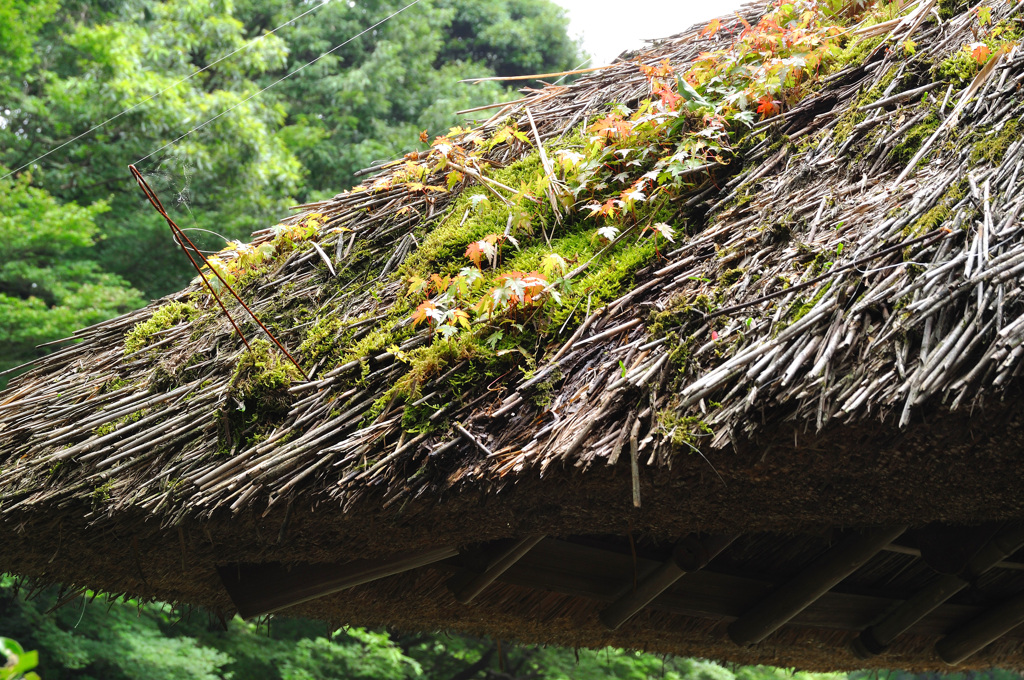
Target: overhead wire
169, 87
282, 78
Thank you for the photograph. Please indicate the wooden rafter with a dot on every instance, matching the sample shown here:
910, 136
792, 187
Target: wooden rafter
689, 555
791, 598
466, 585
878, 637
258, 589
969, 639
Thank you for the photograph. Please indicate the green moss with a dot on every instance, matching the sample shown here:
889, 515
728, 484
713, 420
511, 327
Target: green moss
847, 122
853, 115
684, 430
259, 386
801, 306
542, 391
1006, 30
730, 276
163, 318
377, 408
990, 146
321, 339
940, 213
262, 377
416, 419
102, 494
958, 68
854, 52
446, 243
115, 384
107, 428
950, 8
679, 311
912, 140
382, 336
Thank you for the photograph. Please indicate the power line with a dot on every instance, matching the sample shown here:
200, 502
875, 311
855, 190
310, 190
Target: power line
169, 87
308, 63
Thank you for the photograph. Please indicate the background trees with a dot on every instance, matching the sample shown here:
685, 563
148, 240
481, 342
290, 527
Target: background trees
86, 245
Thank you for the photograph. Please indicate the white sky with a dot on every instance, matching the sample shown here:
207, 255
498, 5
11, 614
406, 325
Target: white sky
609, 27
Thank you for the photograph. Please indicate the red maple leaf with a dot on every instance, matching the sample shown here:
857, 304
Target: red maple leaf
712, 28
669, 98
980, 53
475, 253
422, 313
767, 106
607, 208
612, 125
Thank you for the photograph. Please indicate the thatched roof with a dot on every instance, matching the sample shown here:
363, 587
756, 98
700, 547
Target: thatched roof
810, 402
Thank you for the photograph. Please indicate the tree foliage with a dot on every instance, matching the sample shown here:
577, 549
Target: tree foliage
49, 283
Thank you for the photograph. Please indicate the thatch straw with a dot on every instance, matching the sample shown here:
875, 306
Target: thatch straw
857, 364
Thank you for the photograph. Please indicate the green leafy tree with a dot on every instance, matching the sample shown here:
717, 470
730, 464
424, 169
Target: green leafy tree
20, 21
232, 176
81, 229
128, 640
368, 101
510, 37
49, 283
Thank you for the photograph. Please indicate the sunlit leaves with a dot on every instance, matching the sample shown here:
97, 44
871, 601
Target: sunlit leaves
416, 285
766, 106
606, 209
475, 252
425, 311
553, 265
569, 159
612, 126
484, 248
712, 28
453, 179
507, 133
513, 290
470, 277
633, 162
980, 52
664, 230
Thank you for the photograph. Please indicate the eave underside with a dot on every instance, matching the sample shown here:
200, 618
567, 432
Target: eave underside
785, 507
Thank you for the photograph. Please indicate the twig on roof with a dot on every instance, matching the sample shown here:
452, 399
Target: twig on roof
543, 75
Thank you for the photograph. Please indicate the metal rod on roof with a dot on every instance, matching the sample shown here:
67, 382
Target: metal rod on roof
969, 639
181, 238
466, 592
878, 637
690, 554
791, 598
